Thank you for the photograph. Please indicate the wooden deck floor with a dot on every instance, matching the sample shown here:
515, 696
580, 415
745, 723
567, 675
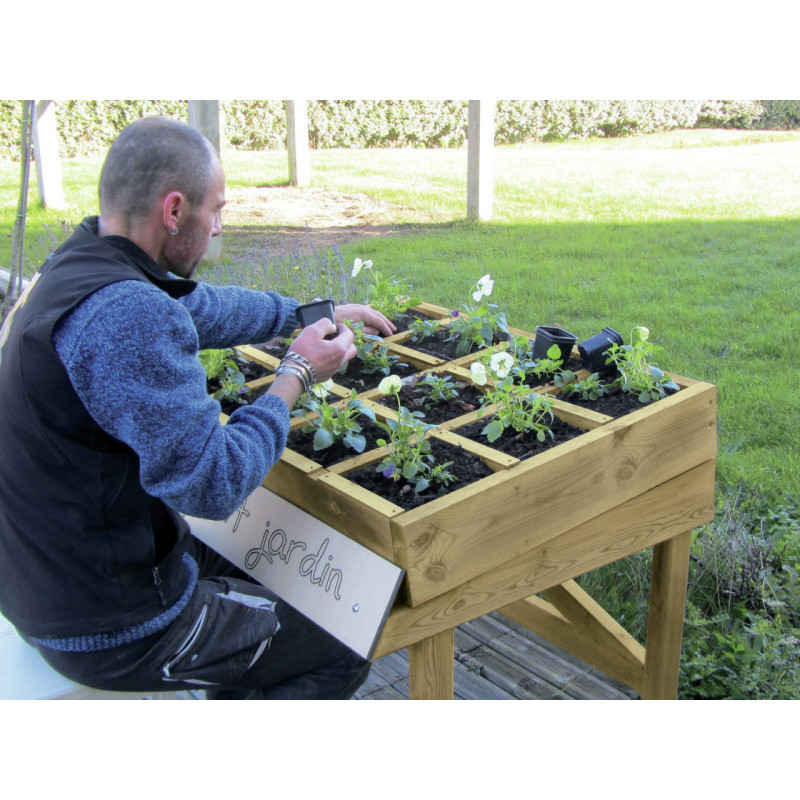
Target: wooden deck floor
497, 659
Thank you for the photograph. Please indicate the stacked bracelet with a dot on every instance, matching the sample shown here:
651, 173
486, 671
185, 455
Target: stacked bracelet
297, 371
295, 359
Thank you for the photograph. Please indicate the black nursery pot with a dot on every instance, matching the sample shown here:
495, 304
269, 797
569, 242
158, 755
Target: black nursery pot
594, 350
546, 337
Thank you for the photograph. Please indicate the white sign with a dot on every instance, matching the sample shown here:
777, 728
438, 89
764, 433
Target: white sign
342, 586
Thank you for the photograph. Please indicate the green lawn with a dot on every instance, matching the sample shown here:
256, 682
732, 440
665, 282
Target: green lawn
694, 234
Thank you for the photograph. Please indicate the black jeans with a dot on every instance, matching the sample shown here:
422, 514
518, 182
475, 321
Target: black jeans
236, 639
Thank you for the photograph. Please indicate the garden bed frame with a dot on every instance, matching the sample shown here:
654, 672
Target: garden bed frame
515, 541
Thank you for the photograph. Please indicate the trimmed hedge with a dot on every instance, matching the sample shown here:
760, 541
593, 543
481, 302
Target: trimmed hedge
88, 127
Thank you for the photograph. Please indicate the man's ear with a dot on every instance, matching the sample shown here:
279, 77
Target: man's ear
174, 207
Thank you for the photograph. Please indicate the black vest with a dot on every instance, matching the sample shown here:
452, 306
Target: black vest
83, 548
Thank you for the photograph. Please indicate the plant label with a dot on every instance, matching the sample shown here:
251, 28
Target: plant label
337, 583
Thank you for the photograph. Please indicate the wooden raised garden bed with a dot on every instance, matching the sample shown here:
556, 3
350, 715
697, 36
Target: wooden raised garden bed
648, 473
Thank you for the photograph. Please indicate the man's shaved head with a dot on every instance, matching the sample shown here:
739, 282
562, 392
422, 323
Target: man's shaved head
151, 157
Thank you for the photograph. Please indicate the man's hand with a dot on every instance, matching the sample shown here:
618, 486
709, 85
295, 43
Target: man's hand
327, 356
375, 323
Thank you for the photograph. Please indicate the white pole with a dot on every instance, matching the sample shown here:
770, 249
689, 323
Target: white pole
204, 116
480, 149
297, 142
48, 163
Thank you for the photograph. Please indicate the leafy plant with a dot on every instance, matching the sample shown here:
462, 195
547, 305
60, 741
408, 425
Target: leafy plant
590, 388
333, 424
477, 325
389, 295
221, 365
422, 329
543, 367
742, 625
440, 388
373, 355
379, 359
525, 364
637, 374
409, 453
217, 363
516, 407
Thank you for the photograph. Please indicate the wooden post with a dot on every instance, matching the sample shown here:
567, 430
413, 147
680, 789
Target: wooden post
48, 164
297, 142
430, 667
662, 658
204, 116
480, 146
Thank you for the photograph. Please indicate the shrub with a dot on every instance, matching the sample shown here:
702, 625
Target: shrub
742, 625
780, 115
730, 114
88, 126
255, 124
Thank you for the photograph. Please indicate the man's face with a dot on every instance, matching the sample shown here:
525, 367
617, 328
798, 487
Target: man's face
185, 250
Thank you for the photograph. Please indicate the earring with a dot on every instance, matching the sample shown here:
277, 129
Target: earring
174, 233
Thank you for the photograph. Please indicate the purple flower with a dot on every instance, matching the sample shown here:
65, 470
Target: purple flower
389, 471
455, 313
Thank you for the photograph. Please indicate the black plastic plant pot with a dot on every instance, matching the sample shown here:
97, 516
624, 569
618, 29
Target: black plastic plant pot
310, 313
594, 351
547, 337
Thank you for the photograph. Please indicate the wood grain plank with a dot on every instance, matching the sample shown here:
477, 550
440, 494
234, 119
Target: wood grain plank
625, 664
665, 619
641, 522
430, 667
441, 545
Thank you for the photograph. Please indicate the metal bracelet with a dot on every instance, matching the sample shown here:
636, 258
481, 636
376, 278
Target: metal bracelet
304, 365
297, 371
292, 355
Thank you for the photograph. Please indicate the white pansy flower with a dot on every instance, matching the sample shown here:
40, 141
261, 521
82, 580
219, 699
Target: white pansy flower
501, 364
358, 265
640, 334
478, 373
389, 385
485, 286
321, 389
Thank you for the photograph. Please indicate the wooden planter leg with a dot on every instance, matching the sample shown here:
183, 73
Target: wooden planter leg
430, 667
665, 622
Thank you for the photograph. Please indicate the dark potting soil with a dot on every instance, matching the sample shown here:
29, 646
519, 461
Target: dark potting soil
439, 345
520, 445
466, 468
249, 369
532, 380
354, 378
275, 347
229, 406
614, 404
404, 321
417, 398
